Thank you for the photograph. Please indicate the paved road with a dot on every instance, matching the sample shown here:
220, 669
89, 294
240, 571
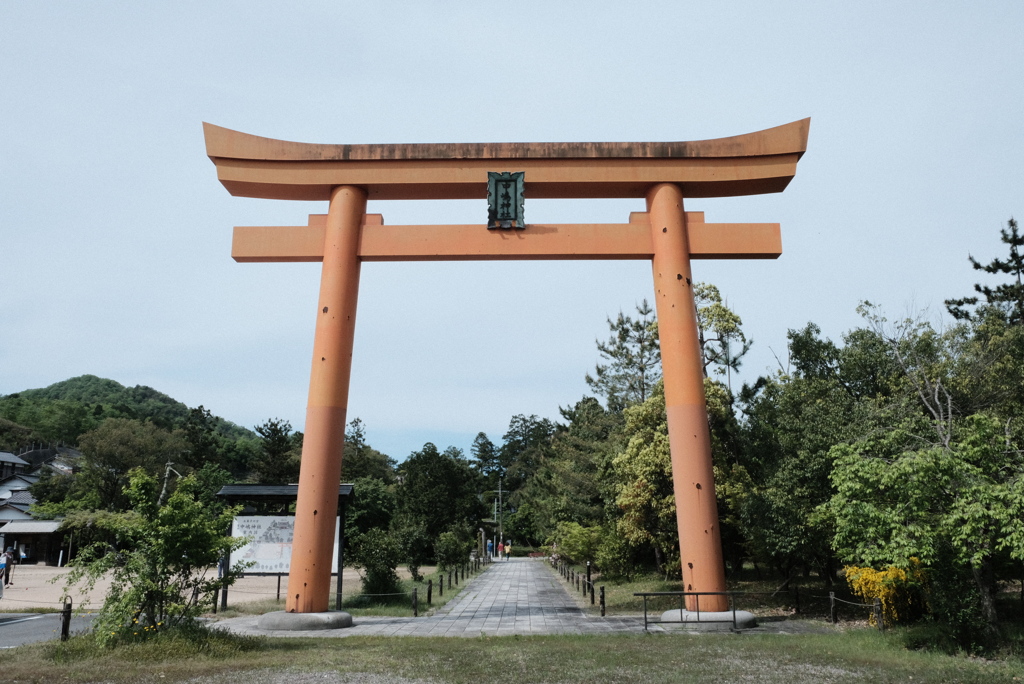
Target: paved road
17, 629
518, 596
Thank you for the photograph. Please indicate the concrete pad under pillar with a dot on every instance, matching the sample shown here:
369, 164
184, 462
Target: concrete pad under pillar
706, 621
298, 622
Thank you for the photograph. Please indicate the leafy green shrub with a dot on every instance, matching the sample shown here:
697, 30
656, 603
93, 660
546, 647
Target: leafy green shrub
450, 550
955, 603
377, 554
615, 556
415, 548
158, 566
576, 543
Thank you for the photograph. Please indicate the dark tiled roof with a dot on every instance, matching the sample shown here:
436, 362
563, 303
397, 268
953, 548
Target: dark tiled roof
22, 496
8, 457
19, 481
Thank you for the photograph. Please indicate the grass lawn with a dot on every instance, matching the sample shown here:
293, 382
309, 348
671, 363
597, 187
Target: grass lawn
860, 655
805, 597
762, 599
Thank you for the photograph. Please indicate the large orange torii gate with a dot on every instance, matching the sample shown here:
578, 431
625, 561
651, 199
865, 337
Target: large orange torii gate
662, 173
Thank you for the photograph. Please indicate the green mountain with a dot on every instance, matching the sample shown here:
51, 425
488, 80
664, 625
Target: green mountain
131, 402
66, 409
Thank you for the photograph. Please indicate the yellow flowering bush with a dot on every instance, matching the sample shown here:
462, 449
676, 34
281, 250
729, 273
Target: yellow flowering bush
899, 589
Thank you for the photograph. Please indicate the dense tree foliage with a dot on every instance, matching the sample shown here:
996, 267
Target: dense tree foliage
941, 482
527, 443
644, 474
114, 449
486, 460
438, 490
571, 483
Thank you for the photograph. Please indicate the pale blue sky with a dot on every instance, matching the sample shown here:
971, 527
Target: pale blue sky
115, 234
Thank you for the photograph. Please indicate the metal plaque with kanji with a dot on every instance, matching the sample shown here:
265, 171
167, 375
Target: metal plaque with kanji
505, 200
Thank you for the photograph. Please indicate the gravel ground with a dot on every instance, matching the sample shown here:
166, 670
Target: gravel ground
42, 586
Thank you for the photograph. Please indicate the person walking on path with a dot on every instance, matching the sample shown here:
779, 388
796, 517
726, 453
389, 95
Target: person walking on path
490, 548
501, 549
508, 550
7, 563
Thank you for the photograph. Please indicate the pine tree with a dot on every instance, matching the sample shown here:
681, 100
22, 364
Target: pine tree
1006, 298
278, 458
487, 462
634, 360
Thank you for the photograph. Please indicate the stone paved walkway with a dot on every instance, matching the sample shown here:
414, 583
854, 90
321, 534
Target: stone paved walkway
518, 596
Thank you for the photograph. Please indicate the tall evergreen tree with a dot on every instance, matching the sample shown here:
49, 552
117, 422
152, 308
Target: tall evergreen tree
526, 444
202, 441
633, 360
363, 461
486, 460
1006, 298
718, 328
438, 490
278, 459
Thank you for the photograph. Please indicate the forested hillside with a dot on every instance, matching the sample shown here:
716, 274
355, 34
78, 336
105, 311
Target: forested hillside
65, 410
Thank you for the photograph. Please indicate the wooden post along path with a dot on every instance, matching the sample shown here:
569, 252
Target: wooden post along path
347, 176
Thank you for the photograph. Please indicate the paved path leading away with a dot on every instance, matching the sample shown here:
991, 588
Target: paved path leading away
518, 596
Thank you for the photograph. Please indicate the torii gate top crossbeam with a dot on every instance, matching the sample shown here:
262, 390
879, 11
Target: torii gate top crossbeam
751, 164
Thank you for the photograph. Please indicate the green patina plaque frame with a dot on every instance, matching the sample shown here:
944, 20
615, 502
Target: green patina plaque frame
506, 197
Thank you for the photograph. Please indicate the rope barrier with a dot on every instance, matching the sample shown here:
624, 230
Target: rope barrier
851, 603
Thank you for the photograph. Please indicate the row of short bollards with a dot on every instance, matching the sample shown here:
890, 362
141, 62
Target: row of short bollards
454, 576
583, 584
453, 580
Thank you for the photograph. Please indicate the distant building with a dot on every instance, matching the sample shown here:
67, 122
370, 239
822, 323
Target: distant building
33, 541
11, 465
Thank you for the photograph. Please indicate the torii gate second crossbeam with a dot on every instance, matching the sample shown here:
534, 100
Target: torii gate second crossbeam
662, 173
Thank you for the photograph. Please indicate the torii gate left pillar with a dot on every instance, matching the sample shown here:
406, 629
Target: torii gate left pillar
668, 236
309, 580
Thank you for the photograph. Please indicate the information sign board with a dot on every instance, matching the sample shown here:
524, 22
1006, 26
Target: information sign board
271, 545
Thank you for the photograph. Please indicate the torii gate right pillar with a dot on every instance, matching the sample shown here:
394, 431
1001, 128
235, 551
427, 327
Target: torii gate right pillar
700, 539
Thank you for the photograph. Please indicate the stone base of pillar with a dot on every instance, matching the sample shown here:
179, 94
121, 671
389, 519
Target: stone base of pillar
300, 622
706, 621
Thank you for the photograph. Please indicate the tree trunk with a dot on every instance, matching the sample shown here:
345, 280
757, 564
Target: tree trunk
983, 579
